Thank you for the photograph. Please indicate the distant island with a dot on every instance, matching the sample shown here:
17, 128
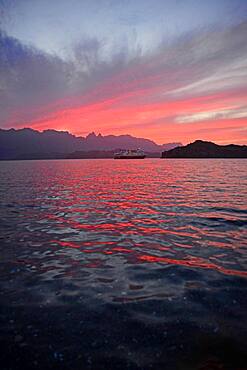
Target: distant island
206, 149
51, 144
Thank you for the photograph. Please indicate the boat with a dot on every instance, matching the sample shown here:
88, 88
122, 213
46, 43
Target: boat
130, 154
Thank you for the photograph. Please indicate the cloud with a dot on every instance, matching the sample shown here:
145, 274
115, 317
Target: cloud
231, 113
198, 77
29, 79
34, 83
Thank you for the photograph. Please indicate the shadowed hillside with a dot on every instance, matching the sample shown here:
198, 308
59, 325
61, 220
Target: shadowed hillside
206, 149
28, 143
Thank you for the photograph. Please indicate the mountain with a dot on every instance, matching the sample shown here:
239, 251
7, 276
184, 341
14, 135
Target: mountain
206, 149
28, 143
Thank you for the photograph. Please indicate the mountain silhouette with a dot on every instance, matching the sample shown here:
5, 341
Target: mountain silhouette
207, 149
28, 143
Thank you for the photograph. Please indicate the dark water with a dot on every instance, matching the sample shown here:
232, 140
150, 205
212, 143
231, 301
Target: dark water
123, 264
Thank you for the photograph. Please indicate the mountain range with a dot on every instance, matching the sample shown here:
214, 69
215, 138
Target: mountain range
28, 143
207, 149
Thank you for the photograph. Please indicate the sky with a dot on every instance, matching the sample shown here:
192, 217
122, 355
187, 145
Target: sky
168, 70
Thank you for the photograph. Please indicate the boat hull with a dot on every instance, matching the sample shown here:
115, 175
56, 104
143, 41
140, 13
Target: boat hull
129, 157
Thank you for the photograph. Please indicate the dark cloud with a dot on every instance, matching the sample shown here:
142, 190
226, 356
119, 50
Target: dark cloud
28, 78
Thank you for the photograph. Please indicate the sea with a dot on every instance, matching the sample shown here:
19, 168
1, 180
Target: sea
123, 264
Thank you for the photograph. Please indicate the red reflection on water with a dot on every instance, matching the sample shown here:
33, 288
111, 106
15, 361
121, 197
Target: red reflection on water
178, 209
93, 263
120, 249
65, 244
193, 262
190, 261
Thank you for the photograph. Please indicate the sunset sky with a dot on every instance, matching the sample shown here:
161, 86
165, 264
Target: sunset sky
168, 70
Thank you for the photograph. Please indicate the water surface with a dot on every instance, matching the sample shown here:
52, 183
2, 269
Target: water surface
123, 264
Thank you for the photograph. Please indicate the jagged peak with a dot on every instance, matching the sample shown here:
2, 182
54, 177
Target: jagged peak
91, 135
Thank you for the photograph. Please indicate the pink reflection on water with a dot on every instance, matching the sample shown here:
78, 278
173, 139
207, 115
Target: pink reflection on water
189, 261
149, 211
193, 262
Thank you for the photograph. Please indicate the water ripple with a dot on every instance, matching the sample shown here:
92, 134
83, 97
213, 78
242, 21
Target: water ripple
156, 247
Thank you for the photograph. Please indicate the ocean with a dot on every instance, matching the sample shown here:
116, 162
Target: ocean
128, 264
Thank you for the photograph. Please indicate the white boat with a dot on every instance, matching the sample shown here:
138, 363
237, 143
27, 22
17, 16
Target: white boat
130, 154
